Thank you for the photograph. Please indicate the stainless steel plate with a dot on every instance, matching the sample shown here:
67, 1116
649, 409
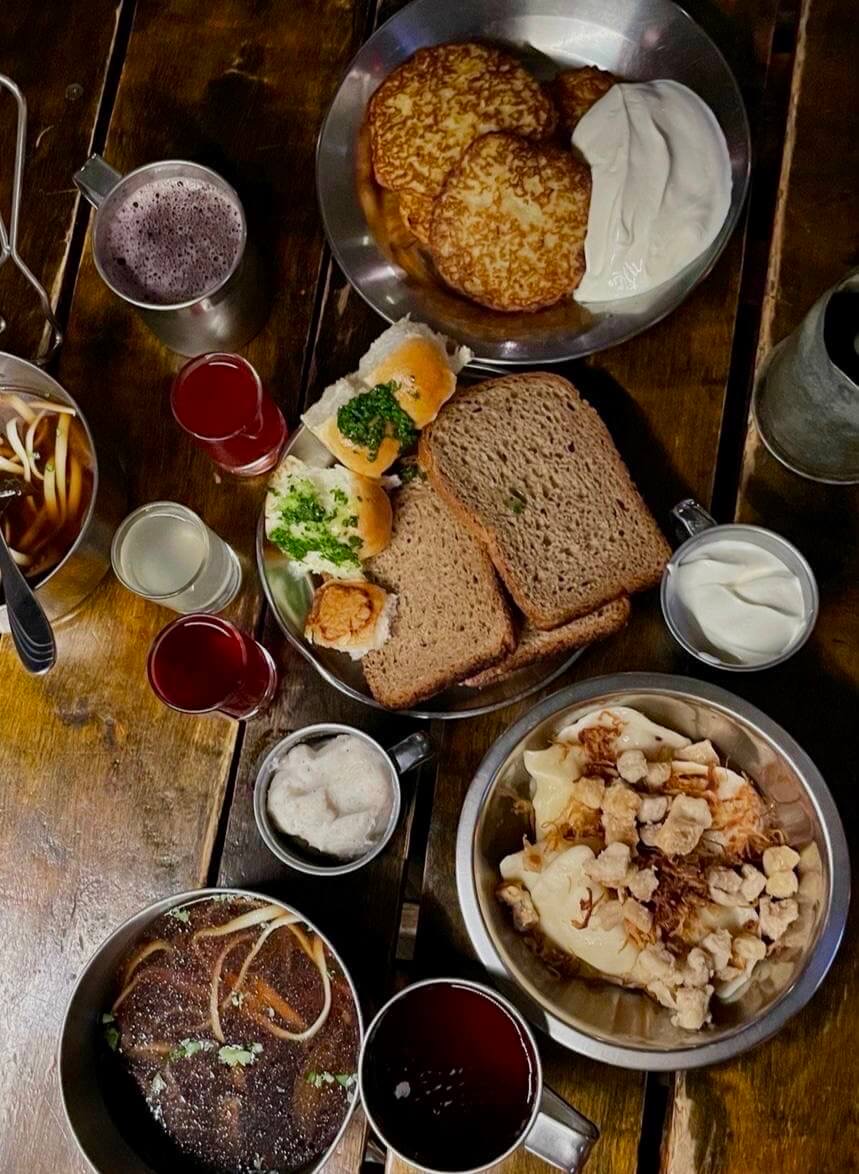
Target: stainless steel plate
606, 1022
638, 40
289, 597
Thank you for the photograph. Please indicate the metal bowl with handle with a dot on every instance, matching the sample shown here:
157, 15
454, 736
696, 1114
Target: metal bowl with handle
637, 40
101, 1138
290, 596
625, 1027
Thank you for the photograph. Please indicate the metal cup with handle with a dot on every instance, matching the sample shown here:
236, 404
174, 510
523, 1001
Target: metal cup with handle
223, 317
434, 1077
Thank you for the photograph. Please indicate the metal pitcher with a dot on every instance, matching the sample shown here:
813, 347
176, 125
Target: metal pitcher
225, 318
805, 403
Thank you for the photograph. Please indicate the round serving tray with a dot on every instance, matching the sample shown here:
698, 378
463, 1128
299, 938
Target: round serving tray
289, 596
638, 40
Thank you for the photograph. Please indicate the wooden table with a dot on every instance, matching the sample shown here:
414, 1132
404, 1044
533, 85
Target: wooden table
111, 800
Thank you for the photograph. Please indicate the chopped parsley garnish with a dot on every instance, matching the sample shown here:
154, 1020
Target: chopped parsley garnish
189, 1047
180, 913
346, 1080
306, 526
411, 471
234, 1054
111, 1031
517, 501
371, 416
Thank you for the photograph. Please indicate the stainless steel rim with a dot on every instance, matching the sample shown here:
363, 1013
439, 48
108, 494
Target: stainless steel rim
509, 1007
833, 922
574, 349
155, 910
711, 661
276, 842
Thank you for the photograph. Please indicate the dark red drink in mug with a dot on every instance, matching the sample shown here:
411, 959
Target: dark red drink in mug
451, 1080
220, 401
201, 663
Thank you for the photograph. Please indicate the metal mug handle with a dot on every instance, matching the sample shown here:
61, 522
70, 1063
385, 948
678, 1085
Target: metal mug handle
690, 518
560, 1135
96, 180
411, 752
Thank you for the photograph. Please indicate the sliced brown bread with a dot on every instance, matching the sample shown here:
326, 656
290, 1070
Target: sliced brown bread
533, 470
536, 645
452, 619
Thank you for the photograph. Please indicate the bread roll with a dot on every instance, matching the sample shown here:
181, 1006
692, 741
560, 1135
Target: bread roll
327, 521
351, 616
401, 383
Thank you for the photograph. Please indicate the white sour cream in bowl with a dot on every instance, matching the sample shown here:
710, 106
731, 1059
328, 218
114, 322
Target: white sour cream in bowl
661, 177
739, 597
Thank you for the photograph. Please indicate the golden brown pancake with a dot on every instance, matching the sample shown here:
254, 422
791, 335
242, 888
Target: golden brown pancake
509, 227
427, 111
576, 90
416, 212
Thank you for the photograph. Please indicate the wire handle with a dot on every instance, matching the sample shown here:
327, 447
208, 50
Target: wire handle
9, 239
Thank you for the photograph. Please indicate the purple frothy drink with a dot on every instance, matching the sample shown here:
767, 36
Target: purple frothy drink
171, 240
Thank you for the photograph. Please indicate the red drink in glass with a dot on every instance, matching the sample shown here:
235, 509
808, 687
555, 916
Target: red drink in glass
201, 663
220, 400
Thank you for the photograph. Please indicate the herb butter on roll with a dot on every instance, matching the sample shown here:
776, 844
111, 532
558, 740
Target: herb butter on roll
367, 419
326, 520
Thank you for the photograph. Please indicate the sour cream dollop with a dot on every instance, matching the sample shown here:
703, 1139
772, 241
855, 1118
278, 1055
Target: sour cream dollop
661, 186
748, 605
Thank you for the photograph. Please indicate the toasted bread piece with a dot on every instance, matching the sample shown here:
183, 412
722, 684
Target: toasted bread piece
535, 473
452, 619
535, 645
509, 228
416, 213
576, 90
427, 111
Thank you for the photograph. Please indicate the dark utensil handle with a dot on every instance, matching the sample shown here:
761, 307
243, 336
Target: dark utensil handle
31, 630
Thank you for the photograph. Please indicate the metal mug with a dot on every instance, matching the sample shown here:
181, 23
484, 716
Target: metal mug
696, 527
555, 1131
405, 755
224, 318
805, 406
83, 567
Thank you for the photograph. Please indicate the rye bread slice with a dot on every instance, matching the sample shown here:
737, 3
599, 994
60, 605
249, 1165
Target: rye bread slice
535, 644
452, 619
532, 469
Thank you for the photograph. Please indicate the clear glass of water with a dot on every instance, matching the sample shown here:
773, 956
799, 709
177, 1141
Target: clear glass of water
166, 553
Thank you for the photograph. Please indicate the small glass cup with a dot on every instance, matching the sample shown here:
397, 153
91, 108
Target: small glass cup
166, 553
219, 400
204, 664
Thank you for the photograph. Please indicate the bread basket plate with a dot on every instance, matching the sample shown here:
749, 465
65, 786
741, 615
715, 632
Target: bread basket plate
289, 597
637, 40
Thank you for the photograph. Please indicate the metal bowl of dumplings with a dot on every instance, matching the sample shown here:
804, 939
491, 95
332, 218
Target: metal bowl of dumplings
637, 40
290, 597
621, 1026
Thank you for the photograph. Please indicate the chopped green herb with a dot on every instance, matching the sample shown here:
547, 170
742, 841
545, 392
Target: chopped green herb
307, 526
411, 471
158, 1084
371, 416
234, 1054
180, 913
108, 1017
346, 1080
189, 1047
516, 501
111, 1035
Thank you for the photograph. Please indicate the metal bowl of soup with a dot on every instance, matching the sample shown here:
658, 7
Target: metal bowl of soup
590, 1015
272, 1085
85, 554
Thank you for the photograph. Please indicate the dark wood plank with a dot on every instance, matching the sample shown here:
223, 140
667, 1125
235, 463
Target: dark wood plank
791, 1104
63, 100
117, 798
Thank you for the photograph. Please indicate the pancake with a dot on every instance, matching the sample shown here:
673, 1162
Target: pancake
416, 213
576, 90
432, 107
509, 227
